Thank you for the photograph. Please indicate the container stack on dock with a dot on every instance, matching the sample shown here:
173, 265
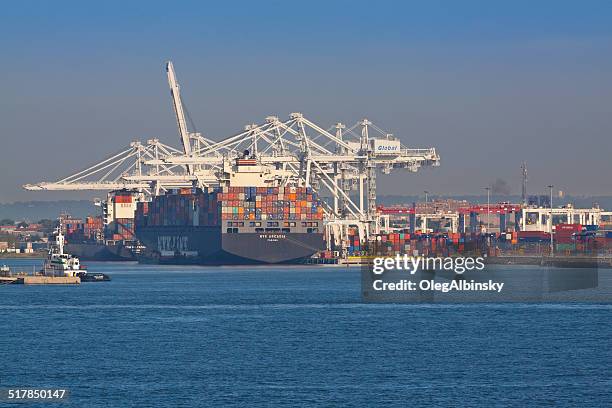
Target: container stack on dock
411, 244
354, 242
565, 236
568, 239
533, 236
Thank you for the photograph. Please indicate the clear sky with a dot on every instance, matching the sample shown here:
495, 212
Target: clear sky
487, 83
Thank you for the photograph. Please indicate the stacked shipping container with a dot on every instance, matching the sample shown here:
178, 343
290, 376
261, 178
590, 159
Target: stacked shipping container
122, 229
72, 226
195, 207
184, 207
78, 230
262, 203
93, 229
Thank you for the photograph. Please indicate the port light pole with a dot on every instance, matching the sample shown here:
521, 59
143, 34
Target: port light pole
552, 245
426, 211
488, 207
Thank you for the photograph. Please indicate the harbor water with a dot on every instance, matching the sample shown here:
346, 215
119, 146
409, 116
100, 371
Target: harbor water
298, 336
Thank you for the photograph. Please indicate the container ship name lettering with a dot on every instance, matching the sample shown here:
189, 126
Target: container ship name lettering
172, 243
272, 236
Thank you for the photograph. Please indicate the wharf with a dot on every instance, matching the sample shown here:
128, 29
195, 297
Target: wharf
51, 280
34, 279
556, 261
535, 260
356, 260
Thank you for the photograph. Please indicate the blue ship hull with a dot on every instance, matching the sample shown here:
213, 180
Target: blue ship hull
208, 245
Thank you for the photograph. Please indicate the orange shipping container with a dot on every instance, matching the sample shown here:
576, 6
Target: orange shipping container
123, 199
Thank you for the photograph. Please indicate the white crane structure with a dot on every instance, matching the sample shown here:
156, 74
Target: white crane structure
175, 92
124, 170
339, 162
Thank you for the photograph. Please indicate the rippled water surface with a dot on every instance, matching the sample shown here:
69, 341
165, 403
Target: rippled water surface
191, 336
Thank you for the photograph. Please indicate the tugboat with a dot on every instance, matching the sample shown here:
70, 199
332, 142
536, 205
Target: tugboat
59, 263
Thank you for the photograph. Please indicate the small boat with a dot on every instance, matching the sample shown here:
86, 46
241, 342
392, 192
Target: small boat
94, 277
59, 263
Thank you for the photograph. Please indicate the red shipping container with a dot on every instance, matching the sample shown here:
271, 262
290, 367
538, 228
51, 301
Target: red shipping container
568, 228
123, 199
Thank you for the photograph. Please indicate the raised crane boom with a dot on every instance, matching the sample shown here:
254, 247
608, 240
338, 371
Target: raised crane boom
178, 108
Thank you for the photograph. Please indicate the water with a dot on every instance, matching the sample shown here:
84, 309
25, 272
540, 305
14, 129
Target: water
196, 336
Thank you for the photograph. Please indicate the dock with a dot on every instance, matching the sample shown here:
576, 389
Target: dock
39, 280
556, 261
51, 280
33, 278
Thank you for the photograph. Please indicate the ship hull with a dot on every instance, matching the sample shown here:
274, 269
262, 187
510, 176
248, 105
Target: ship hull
100, 252
207, 245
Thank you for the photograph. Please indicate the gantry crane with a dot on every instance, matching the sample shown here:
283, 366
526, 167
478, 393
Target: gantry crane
339, 162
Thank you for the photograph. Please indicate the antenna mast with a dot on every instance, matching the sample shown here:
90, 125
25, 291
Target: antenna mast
524, 187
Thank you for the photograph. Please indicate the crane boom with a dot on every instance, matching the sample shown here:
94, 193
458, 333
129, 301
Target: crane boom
178, 108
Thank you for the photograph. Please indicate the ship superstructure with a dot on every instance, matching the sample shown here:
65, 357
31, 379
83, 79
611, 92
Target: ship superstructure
60, 263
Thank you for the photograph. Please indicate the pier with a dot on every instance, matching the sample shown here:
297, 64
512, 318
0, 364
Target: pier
8, 277
39, 280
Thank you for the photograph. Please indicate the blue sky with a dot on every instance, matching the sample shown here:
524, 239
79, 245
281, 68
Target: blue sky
487, 83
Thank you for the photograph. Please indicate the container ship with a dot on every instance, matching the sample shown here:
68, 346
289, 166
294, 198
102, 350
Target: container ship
244, 221
108, 237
